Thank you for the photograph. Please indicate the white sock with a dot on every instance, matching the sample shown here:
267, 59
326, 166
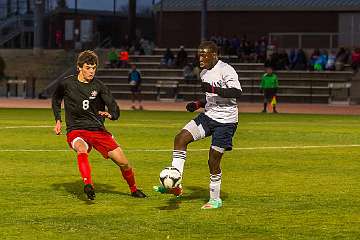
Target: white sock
178, 161
215, 185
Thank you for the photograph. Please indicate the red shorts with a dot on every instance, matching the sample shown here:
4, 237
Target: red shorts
102, 141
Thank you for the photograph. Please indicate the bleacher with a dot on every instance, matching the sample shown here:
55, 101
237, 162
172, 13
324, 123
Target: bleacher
294, 86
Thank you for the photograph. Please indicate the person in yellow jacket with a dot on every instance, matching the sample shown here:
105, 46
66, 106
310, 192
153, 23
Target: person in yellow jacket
269, 85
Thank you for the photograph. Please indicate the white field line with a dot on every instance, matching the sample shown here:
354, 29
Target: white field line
195, 150
20, 127
169, 150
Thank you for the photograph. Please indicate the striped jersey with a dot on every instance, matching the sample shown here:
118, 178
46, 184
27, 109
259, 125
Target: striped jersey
223, 110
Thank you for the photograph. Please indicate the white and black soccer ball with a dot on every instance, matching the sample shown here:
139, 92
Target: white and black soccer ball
170, 177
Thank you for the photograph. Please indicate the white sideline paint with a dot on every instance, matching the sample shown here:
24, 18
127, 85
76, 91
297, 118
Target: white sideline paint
19, 127
192, 150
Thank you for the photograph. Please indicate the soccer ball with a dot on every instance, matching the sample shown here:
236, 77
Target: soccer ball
170, 177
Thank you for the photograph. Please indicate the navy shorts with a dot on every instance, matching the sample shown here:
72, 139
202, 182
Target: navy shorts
203, 126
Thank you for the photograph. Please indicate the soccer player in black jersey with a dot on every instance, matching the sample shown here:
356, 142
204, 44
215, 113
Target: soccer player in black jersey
87, 103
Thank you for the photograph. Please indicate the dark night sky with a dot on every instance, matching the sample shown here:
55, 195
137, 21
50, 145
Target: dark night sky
82, 4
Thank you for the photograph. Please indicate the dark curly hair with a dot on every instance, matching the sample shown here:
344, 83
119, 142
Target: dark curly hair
88, 57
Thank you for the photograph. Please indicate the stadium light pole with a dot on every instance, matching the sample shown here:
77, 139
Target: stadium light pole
8, 8
38, 26
204, 20
132, 20
160, 36
114, 7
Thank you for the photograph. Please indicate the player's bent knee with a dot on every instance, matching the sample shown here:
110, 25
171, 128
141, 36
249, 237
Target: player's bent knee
79, 145
217, 149
194, 131
119, 158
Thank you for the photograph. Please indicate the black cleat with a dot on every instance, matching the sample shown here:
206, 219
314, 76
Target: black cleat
138, 194
89, 190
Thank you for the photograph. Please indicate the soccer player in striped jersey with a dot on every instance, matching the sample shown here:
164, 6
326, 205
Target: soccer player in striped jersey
88, 102
222, 87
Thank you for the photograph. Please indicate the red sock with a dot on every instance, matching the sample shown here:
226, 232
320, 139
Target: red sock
84, 168
129, 176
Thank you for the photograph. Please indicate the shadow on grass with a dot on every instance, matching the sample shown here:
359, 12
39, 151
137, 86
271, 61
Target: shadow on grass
194, 193
76, 189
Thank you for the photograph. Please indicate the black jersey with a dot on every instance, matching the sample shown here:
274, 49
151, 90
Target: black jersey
82, 102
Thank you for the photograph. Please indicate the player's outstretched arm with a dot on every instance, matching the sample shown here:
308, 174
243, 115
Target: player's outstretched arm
222, 92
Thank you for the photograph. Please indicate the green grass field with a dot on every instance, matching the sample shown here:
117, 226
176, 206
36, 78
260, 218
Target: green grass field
269, 191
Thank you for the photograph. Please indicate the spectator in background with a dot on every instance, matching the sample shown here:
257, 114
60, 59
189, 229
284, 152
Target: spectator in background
168, 58
342, 57
196, 72
196, 67
321, 61
135, 48
292, 58
330, 64
226, 46
194, 75
301, 61
135, 84
247, 51
126, 42
234, 45
355, 59
58, 38
147, 46
220, 42
273, 61
269, 85
283, 60
260, 50
181, 58
123, 58
313, 58
112, 58
297, 60
188, 73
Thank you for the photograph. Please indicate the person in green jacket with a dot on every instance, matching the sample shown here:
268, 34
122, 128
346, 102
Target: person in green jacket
112, 58
269, 85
